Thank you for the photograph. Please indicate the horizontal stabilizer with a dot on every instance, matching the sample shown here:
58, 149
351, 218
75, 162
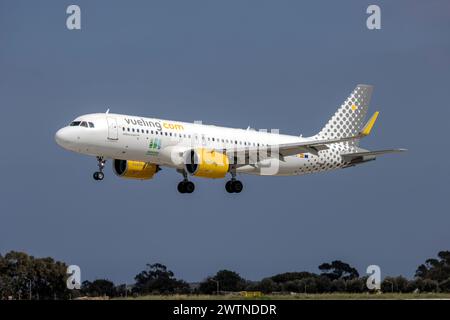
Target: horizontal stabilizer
356, 155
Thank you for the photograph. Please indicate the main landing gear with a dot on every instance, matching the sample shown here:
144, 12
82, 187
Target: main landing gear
99, 175
234, 186
186, 186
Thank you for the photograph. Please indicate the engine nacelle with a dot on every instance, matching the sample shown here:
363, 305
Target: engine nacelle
206, 163
134, 169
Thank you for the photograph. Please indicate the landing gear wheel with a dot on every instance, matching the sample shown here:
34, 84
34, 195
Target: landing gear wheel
234, 186
181, 187
189, 186
98, 176
237, 186
186, 187
229, 186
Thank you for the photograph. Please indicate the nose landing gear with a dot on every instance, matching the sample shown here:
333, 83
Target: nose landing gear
99, 175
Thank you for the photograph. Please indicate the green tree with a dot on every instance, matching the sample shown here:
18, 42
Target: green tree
423, 285
356, 285
123, 290
338, 285
290, 276
395, 284
323, 284
308, 285
437, 270
293, 286
444, 286
338, 270
227, 280
267, 285
22, 276
158, 279
99, 287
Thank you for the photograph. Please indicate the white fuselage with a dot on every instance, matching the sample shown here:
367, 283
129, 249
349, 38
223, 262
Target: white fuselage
164, 142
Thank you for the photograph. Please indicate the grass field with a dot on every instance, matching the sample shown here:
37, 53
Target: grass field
330, 296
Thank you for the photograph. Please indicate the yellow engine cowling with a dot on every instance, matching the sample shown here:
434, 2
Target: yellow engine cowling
206, 163
135, 169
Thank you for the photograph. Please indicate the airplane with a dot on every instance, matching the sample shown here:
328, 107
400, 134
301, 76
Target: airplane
139, 147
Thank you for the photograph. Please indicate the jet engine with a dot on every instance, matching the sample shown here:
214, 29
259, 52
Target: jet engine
206, 163
135, 169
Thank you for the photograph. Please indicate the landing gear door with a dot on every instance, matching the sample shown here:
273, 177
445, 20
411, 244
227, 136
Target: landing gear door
113, 132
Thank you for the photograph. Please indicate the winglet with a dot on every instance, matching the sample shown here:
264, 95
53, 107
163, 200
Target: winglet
369, 125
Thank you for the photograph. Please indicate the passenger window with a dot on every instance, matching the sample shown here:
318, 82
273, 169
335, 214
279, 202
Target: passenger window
128, 129
123, 128
132, 129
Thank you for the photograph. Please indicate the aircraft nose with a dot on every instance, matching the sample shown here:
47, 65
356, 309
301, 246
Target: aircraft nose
62, 137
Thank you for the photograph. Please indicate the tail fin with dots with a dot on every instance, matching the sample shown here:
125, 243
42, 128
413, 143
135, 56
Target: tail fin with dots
348, 121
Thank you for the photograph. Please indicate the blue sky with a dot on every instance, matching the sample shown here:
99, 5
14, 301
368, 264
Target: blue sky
267, 64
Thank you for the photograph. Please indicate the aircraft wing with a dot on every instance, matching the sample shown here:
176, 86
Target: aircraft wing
313, 146
253, 154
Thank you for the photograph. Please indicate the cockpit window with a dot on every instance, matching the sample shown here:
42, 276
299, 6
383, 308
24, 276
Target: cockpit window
75, 123
91, 125
84, 124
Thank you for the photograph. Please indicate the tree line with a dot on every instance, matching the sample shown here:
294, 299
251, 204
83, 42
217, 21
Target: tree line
26, 277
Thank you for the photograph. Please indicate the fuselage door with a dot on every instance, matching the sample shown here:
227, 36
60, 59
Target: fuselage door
113, 131
203, 140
